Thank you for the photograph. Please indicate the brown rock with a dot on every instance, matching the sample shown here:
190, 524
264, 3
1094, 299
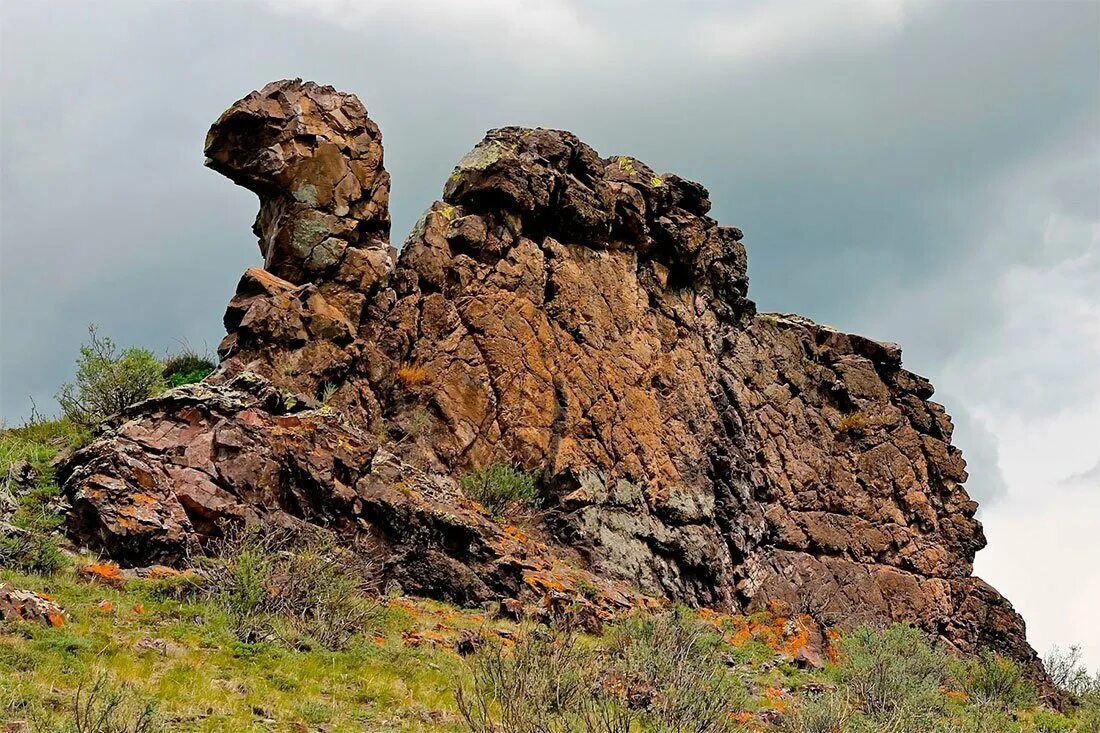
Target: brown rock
24, 605
581, 317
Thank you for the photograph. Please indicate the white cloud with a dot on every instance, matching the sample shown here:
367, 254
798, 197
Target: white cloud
793, 27
1033, 383
528, 29
1010, 335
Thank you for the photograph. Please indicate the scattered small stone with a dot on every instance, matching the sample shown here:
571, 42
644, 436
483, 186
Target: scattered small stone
25, 605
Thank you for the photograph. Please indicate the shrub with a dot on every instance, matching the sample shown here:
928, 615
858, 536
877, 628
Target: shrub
1069, 674
103, 708
670, 670
894, 674
277, 585
995, 686
537, 686
29, 551
186, 367
655, 673
108, 381
412, 375
856, 423
499, 486
828, 713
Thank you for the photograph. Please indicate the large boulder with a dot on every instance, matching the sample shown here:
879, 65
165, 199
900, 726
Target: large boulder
581, 317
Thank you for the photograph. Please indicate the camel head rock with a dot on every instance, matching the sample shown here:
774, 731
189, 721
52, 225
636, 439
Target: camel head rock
579, 317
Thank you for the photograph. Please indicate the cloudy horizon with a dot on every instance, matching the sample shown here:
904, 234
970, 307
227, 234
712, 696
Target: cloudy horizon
920, 172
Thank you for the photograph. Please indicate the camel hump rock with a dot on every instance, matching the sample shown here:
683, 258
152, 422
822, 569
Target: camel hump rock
581, 318
314, 158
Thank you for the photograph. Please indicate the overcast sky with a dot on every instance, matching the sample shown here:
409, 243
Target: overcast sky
921, 172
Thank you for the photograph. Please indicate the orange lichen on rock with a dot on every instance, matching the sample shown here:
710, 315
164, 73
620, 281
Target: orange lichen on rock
107, 573
412, 375
22, 605
776, 699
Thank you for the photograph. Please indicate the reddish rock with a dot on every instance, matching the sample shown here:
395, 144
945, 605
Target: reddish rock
582, 317
24, 605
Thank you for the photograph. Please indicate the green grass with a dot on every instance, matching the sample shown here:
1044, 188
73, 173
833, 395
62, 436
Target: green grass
182, 655
31, 544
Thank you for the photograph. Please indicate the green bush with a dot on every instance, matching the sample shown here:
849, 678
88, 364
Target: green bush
540, 684
995, 687
108, 381
895, 674
101, 707
500, 486
663, 673
1069, 674
674, 672
291, 588
828, 713
28, 551
187, 367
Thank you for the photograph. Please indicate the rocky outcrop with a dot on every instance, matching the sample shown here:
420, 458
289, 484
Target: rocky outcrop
581, 317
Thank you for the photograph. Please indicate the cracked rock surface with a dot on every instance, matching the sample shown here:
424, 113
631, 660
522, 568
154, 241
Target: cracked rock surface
581, 317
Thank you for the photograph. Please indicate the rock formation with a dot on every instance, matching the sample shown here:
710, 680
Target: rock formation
581, 317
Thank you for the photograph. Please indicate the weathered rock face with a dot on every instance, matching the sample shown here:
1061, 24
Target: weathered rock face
582, 317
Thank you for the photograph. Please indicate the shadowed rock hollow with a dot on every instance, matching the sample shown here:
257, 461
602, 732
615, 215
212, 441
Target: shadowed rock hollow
576, 315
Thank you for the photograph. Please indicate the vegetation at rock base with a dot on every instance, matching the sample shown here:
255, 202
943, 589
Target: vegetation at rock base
294, 588
29, 496
157, 645
186, 367
107, 380
499, 486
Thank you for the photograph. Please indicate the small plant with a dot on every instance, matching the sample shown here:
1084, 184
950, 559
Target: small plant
412, 375
828, 713
187, 367
277, 585
894, 674
100, 707
499, 486
327, 390
856, 423
108, 381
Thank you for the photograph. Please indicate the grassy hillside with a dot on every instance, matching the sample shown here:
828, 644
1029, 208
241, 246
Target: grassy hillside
280, 636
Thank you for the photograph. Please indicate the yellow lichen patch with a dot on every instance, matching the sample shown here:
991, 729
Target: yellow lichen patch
656, 181
144, 499
412, 375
